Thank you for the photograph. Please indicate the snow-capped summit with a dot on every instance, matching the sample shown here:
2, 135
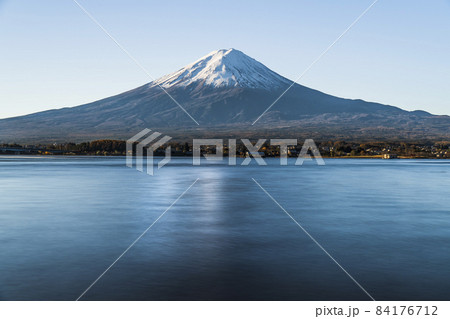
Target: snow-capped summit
225, 68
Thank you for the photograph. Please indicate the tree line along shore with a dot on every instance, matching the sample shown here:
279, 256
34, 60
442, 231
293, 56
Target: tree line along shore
339, 149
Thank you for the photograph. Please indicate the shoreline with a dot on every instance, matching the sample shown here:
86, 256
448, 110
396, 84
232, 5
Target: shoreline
190, 156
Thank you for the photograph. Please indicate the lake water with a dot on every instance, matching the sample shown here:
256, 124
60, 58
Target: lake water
64, 220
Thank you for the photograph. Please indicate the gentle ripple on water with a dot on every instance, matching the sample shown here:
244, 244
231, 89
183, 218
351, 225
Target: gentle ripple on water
64, 220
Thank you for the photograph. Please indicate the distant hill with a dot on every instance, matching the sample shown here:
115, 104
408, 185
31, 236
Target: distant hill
225, 91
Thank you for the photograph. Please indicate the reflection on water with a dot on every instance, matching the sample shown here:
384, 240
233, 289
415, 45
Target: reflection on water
63, 221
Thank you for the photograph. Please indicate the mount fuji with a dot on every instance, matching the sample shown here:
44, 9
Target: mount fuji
224, 91
225, 68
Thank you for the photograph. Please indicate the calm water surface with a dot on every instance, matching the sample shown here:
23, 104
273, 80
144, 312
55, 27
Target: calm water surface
64, 220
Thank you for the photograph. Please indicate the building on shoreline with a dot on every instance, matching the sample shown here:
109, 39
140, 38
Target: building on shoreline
390, 156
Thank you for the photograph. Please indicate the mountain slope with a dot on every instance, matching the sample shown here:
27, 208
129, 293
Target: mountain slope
225, 68
225, 90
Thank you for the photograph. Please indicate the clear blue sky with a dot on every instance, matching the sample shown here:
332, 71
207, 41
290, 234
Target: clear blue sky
53, 56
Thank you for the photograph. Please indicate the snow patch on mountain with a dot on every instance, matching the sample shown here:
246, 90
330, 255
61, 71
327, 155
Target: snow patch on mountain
225, 68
